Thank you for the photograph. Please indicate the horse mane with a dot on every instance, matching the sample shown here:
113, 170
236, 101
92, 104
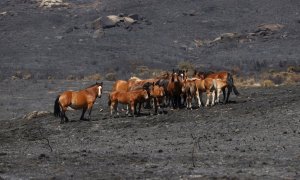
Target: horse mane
98, 84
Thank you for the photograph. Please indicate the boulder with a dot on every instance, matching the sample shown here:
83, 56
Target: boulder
106, 22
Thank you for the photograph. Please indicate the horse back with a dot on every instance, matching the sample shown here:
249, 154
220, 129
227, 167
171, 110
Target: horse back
157, 91
218, 75
120, 85
221, 83
119, 96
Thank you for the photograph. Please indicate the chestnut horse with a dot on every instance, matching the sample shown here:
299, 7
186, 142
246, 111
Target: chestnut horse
220, 85
157, 93
190, 91
130, 98
207, 85
83, 99
120, 85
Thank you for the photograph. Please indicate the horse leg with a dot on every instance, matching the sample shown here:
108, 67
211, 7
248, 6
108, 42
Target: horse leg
63, 117
132, 107
218, 95
139, 110
213, 94
228, 94
224, 95
90, 107
207, 98
197, 98
83, 112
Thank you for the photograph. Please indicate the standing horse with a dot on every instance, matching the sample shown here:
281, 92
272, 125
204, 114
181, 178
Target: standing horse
120, 85
226, 77
157, 93
130, 98
190, 91
207, 85
83, 99
174, 90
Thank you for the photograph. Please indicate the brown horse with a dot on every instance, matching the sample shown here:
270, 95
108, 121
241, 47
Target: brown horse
226, 77
83, 99
130, 98
190, 91
157, 93
135, 83
220, 85
120, 85
207, 85
174, 90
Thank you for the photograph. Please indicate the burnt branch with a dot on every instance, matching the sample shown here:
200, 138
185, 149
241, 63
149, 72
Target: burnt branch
48, 142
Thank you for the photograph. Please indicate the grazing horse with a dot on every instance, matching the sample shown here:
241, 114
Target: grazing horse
83, 99
190, 91
174, 90
130, 98
207, 85
226, 77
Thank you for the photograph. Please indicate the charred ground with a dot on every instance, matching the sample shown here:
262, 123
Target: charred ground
254, 136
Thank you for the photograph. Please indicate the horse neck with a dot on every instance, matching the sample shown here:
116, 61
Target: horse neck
93, 90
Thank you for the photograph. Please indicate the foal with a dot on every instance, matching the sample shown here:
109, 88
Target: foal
190, 91
130, 98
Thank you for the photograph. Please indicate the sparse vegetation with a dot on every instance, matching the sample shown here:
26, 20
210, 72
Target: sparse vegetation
93, 77
186, 65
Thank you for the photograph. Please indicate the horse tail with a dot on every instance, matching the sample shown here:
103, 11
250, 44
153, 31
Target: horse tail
57, 111
231, 85
215, 84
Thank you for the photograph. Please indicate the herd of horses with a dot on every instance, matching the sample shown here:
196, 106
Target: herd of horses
172, 89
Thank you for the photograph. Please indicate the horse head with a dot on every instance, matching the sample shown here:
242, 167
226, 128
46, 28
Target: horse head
100, 85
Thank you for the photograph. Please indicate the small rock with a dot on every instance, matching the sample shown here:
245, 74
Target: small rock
35, 114
134, 16
98, 33
59, 37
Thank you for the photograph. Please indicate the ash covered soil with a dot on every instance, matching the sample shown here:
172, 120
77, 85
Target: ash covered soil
256, 136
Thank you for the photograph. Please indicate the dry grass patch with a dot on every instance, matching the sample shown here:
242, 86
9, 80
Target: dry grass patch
93, 77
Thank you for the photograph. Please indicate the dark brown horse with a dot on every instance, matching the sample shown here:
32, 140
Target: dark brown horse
83, 99
174, 90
